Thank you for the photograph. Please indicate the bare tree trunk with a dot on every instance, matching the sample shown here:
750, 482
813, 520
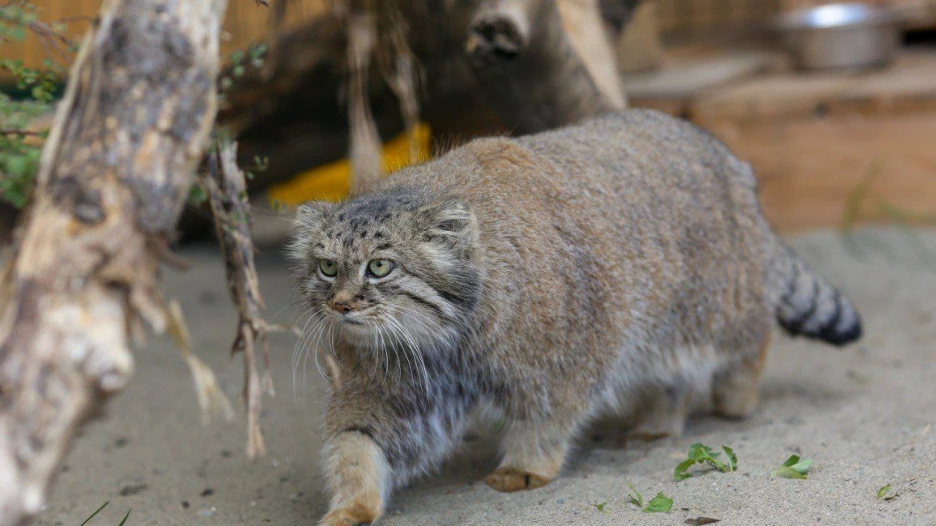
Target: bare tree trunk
114, 178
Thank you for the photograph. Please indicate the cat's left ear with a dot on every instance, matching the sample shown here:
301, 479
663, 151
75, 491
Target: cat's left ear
450, 222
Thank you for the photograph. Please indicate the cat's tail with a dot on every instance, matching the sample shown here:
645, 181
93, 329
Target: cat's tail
808, 305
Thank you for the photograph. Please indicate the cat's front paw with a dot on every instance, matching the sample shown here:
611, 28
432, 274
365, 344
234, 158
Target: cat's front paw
510, 479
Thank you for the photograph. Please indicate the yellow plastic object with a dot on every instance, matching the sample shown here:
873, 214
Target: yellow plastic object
331, 182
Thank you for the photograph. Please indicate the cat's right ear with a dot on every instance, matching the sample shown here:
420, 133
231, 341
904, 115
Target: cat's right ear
308, 225
310, 217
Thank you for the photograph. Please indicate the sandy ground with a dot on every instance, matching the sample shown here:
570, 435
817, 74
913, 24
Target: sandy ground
862, 414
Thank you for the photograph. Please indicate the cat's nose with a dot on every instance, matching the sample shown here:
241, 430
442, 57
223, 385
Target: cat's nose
341, 307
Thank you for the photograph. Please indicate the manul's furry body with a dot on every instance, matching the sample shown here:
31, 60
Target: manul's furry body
618, 264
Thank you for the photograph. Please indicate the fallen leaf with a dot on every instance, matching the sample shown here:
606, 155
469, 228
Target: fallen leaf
660, 504
794, 468
883, 491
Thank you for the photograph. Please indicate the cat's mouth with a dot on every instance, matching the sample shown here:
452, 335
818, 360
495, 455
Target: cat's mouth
356, 322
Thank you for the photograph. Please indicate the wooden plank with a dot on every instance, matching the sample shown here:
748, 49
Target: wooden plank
909, 85
687, 77
808, 168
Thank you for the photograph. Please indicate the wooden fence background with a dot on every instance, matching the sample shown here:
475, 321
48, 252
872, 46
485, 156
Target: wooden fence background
246, 22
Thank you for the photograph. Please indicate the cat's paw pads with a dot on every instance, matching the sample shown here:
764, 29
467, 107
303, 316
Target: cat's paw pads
510, 479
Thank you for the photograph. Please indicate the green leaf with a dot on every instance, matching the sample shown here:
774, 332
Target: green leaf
680, 472
699, 453
732, 458
802, 466
124, 521
258, 50
660, 504
794, 468
17, 166
882, 493
635, 500
788, 472
601, 506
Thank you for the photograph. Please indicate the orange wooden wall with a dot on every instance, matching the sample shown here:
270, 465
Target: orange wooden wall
246, 22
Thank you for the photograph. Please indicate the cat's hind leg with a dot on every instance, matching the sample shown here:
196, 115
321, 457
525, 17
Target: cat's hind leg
662, 412
735, 388
534, 451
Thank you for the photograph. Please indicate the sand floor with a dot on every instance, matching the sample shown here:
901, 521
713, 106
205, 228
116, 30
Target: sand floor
864, 415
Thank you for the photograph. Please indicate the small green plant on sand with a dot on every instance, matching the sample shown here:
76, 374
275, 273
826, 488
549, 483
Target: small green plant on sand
659, 504
885, 493
700, 454
793, 468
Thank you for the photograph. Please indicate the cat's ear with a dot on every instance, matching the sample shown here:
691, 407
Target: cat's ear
450, 222
307, 226
311, 215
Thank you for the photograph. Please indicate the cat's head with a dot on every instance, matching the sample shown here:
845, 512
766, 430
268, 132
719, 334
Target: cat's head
393, 269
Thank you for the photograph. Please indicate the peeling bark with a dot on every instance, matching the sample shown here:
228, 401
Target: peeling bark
114, 177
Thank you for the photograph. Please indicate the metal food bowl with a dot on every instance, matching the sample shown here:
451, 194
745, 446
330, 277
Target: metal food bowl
841, 36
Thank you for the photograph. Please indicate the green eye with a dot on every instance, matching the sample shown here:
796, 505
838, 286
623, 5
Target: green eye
328, 268
379, 267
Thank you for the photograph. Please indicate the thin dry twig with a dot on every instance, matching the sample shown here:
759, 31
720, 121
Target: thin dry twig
227, 197
26, 133
51, 40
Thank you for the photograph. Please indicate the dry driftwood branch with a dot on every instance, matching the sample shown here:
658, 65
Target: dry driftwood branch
114, 176
543, 64
365, 142
230, 209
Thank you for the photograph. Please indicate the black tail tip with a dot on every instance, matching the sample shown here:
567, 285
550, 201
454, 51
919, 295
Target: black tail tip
830, 333
842, 338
